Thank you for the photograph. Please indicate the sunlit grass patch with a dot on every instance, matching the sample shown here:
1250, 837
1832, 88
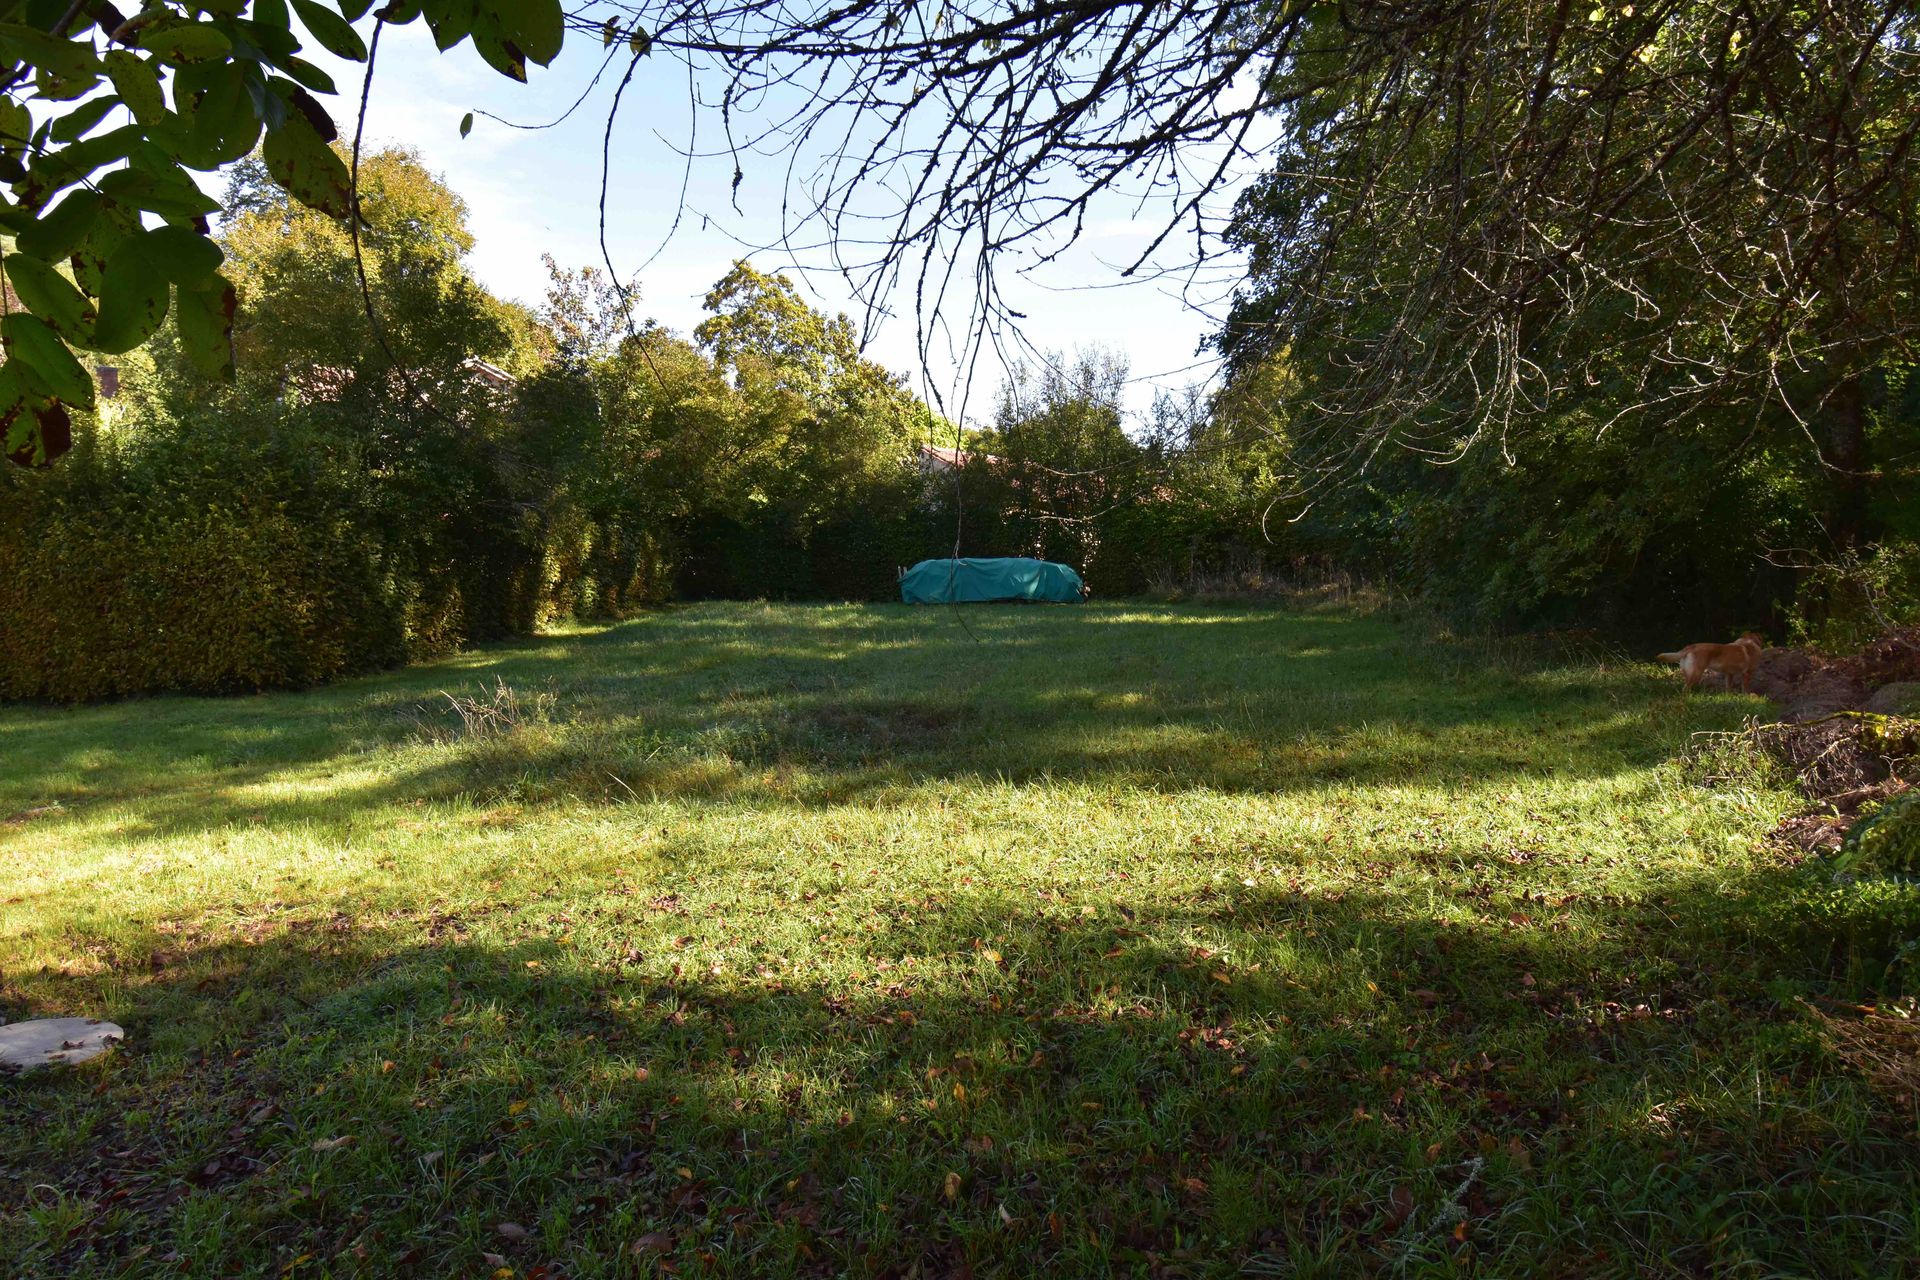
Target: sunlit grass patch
844, 940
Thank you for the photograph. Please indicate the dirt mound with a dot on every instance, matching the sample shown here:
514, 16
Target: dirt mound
1821, 693
1779, 670
1893, 658
1810, 685
1843, 731
1843, 762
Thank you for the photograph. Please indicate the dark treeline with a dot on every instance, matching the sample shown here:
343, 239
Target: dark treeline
458, 468
475, 469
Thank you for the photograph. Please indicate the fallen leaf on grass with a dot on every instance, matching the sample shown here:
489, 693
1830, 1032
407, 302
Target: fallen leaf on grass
332, 1144
652, 1242
952, 1186
1399, 1208
511, 1231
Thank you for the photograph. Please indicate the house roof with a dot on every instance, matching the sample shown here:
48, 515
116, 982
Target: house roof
933, 455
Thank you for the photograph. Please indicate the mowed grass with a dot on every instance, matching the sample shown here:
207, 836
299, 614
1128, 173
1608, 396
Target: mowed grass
798, 940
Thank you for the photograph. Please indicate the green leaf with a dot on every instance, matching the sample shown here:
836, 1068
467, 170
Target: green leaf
301, 161
185, 42
205, 322
309, 106
90, 256
501, 54
52, 297
451, 21
52, 170
67, 59
16, 126
169, 195
185, 257
78, 122
308, 74
609, 32
640, 42
466, 124
58, 88
275, 39
36, 432
273, 13
331, 30
226, 119
17, 435
61, 227
51, 368
537, 28
138, 85
354, 10
133, 298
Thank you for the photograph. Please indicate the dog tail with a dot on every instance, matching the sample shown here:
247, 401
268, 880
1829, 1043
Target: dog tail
1671, 659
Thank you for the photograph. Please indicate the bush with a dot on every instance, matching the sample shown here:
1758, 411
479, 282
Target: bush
175, 572
1885, 842
261, 551
1850, 602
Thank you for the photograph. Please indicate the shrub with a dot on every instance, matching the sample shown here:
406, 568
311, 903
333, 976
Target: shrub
1885, 842
170, 571
1850, 602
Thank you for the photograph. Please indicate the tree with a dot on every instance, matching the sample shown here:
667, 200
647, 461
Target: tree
1065, 457
1657, 210
203, 86
304, 325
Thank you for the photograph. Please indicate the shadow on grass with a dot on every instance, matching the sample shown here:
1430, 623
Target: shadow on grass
989, 1086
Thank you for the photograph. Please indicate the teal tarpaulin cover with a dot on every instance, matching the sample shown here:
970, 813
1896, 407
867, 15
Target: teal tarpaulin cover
970, 581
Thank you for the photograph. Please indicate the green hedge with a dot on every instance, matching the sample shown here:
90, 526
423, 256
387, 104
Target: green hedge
257, 555
118, 579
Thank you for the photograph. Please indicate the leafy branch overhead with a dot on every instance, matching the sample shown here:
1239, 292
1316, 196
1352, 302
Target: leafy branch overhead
104, 118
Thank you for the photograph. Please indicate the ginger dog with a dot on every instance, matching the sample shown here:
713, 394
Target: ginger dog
1739, 658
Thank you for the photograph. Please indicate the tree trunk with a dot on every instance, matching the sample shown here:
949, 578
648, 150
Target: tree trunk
1846, 457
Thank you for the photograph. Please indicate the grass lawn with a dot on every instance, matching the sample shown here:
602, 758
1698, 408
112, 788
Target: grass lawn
799, 940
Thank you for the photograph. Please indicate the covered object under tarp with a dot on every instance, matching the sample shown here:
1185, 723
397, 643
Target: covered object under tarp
973, 581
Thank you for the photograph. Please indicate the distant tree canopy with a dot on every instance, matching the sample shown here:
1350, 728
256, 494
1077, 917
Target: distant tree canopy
305, 320
1640, 274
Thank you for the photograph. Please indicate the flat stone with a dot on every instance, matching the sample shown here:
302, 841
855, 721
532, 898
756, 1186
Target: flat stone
43, 1042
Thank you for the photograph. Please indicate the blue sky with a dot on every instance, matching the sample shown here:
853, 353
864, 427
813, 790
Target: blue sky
534, 192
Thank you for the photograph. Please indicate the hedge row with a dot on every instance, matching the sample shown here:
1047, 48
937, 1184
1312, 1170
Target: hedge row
265, 566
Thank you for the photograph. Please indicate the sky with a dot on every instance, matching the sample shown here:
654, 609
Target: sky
537, 191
